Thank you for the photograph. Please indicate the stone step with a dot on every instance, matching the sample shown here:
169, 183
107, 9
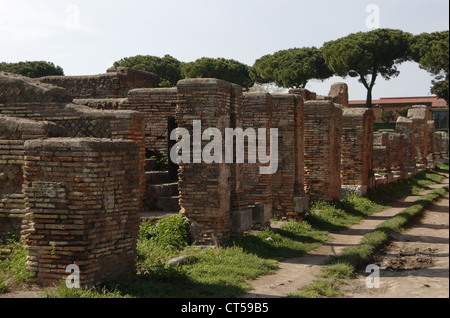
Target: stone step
169, 203
162, 190
155, 216
157, 177
150, 164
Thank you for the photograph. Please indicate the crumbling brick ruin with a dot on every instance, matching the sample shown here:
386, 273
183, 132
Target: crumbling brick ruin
405, 127
75, 181
50, 177
288, 182
390, 160
257, 113
115, 83
82, 198
322, 150
357, 150
418, 142
441, 144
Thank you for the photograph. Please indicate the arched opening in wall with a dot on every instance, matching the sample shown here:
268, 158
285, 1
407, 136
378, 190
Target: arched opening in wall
172, 166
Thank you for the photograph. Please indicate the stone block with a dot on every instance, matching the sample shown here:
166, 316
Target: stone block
261, 214
241, 221
301, 204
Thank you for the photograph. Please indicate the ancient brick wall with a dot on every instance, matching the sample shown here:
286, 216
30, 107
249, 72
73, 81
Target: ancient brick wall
304, 93
101, 103
393, 142
158, 105
82, 198
114, 84
336, 153
431, 145
205, 188
288, 180
380, 163
16, 89
26, 100
13, 134
238, 200
405, 127
441, 142
322, 150
339, 94
419, 115
257, 188
357, 149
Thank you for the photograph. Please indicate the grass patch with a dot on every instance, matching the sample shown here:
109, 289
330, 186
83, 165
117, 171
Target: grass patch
224, 272
63, 292
13, 268
340, 214
319, 289
292, 240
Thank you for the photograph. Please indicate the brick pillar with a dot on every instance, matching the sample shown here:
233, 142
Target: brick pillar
322, 150
431, 149
357, 149
257, 109
419, 116
405, 127
82, 197
205, 187
287, 182
380, 162
130, 125
393, 142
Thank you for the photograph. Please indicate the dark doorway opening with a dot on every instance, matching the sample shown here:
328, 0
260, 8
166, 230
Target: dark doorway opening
173, 167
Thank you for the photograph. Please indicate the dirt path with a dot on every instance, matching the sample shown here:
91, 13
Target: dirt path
297, 272
416, 264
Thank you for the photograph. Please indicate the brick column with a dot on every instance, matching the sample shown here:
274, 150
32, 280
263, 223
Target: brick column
82, 197
257, 108
288, 181
357, 149
393, 142
431, 149
405, 127
419, 116
205, 188
322, 136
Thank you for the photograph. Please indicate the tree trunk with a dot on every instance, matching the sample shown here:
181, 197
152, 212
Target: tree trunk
369, 97
368, 86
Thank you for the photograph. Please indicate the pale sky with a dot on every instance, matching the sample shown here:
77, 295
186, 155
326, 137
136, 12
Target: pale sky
86, 37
